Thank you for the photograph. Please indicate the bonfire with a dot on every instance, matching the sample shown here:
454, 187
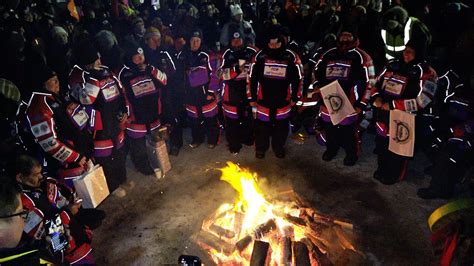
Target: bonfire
284, 230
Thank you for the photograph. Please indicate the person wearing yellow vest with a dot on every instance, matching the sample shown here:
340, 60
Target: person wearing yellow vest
398, 28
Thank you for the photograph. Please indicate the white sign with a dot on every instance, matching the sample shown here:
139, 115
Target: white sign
402, 133
336, 101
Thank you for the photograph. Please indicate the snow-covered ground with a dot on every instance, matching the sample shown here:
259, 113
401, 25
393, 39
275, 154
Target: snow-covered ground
153, 224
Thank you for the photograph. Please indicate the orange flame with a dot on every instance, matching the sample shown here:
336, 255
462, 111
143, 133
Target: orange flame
241, 220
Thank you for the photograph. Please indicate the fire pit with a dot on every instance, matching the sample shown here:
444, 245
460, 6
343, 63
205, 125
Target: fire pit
284, 230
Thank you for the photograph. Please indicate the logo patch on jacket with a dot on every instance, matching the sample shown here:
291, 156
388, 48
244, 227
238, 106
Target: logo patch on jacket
394, 84
49, 144
338, 69
41, 129
274, 71
142, 87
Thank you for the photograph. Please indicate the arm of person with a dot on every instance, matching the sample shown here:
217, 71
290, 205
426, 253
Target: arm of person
157, 74
83, 88
42, 125
296, 79
426, 91
256, 72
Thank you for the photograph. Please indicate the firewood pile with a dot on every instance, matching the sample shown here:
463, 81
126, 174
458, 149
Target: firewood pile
291, 233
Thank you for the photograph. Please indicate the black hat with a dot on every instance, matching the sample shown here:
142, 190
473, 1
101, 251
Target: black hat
86, 53
131, 48
235, 32
42, 74
275, 32
350, 28
394, 18
196, 33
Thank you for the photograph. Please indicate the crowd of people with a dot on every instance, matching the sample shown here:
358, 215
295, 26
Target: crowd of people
89, 82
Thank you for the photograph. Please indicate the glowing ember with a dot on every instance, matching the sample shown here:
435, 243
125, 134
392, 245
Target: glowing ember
257, 231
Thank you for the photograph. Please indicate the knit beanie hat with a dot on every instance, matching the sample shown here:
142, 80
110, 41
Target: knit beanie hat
350, 28
105, 40
86, 53
152, 31
59, 34
196, 33
137, 20
275, 32
131, 48
41, 75
235, 10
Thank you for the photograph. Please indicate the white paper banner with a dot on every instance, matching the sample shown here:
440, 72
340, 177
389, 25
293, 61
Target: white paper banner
92, 187
402, 133
336, 101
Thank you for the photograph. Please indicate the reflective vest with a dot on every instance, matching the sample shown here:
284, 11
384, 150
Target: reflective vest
395, 44
16, 258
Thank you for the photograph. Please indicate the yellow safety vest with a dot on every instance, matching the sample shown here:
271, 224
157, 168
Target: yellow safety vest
16, 256
395, 44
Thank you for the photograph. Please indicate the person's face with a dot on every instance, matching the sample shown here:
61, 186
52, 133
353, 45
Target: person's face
408, 54
91, 14
138, 59
209, 10
139, 29
33, 179
276, 10
52, 85
195, 43
345, 41
236, 43
179, 43
238, 18
345, 37
19, 223
153, 42
13, 226
96, 65
274, 44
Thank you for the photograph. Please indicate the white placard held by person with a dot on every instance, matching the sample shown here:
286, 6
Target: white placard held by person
92, 187
402, 133
336, 101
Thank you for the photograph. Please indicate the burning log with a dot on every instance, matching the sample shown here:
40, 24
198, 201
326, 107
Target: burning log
331, 240
313, 216
243, 243
259, 232
300, 254
261, 254
295, 220
221, 232
317, 258
343, 238
208, 241
265, 228
317, 242
238, 221
288, 194
286, 253
327, 240
349, 257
